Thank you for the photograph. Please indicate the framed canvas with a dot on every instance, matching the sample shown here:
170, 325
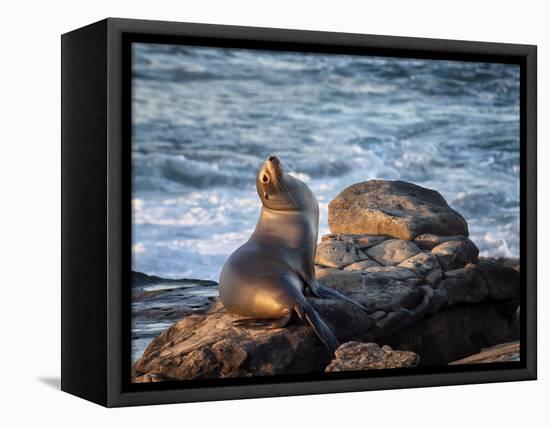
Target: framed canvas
254, 212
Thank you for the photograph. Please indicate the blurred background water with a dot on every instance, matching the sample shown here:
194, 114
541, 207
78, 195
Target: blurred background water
204, 120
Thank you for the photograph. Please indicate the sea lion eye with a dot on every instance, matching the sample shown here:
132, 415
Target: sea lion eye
265, 178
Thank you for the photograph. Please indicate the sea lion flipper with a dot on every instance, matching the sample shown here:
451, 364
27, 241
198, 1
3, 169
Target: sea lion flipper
323, 292
321, 329
266, 324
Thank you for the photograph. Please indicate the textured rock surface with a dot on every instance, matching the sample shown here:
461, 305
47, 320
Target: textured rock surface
422, 263
395, 208
337, 254
391, 273
362, 265
392, 252
429, 241
361, 241
456, 253
353, 356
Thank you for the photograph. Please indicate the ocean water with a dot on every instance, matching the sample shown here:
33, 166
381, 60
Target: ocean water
204, 120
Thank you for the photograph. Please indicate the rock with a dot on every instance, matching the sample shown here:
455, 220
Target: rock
378, 315
219, 344
361, 266
509, 262
502, 282
463, 285
504, 352
438, 300
391, 272
456, 253
393, 252
353, 356
429, 241
395, 208
434, 277
319, 269
337, 254
454, 333
389, 296
361, 241
343, 281
422, 263
394, 321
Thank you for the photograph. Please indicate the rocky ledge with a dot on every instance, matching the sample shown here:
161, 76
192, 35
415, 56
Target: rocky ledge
398, 249
505, 352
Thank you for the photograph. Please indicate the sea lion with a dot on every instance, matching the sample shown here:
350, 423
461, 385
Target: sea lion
266, 277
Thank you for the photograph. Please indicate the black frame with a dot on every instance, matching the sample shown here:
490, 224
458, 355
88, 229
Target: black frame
96, 213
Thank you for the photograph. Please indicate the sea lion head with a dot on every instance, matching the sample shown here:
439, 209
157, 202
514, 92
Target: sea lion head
280, 191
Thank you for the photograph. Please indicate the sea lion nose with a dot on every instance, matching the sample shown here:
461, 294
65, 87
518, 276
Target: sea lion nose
272, 158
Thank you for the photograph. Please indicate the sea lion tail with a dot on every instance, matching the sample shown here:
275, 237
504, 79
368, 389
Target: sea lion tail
329, 293
319, 326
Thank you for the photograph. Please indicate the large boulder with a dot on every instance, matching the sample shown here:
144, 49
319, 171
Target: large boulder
395, 208
354, 356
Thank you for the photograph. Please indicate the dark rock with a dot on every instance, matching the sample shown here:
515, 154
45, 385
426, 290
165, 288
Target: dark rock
438, 300
454, 333
353, 356
434, 277
392, 252
395, 208
456, 253
394, 321
503, 282
463, 285
391, 272
389, 296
